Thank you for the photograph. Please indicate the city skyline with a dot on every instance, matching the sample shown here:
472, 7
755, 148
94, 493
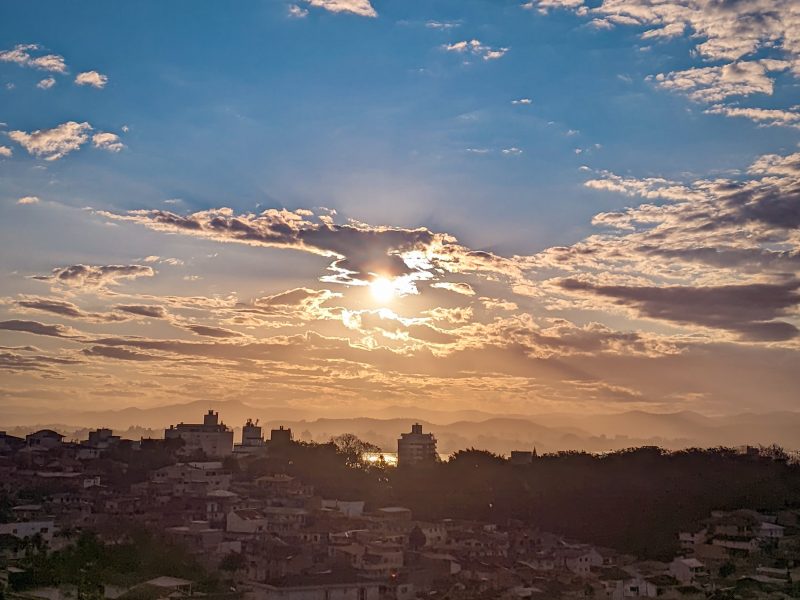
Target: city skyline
348, 205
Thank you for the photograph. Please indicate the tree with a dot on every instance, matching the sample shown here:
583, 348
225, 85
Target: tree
232, 561
727, 569
416, 538
353, 449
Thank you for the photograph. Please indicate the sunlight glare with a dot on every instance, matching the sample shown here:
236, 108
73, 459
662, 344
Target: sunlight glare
382, 289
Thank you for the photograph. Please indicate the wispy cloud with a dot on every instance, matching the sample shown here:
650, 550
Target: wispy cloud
297, 12
95, 276
46, 83
476, 48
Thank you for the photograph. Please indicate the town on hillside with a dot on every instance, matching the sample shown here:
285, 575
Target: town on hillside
199, 515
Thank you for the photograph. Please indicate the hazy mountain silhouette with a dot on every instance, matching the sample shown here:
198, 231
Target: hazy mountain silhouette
454, 430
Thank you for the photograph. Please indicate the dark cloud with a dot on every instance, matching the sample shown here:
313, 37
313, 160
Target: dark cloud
216, 332
119, 353
752, 260
748, 309
10, 361
66, 309
773, 205
294, 297
359, 251
37, 328
143, 310
94, 276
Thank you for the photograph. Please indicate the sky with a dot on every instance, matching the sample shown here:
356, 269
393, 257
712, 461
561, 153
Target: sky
522, 207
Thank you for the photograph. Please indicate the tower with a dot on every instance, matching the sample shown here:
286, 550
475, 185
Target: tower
416, 448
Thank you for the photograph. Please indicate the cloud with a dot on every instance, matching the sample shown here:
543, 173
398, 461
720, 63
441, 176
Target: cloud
119, 354
442, 25
46, 83
52, 144
216, 332
721, 30
46, 365
359, 252
712, 84
5, 152
476, 48
107, 141
459, 288
91, 78
143, 310
65, 309
523, 101
749, 310
763, 116
512, 151
362, 8
725, 32
297, 12
294, 297
96, 276
37, 328
28, 200
21, 55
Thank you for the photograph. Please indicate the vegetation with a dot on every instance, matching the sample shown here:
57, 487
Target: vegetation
634, 500
88, 563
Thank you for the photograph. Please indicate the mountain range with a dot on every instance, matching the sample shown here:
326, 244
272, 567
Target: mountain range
454, 430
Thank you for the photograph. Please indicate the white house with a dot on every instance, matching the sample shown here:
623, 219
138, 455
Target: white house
28, 529
246, 520
687, 570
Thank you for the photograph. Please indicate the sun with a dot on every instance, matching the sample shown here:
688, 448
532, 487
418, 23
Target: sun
382, 289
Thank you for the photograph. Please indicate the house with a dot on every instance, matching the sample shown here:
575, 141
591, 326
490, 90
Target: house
579, 560
331, 585
688, 570
27, 529
27, 512
10, 443
770, 531
102, 439
181, 477
399, 513
688, 539
247, 520
198, 536
353, 508
44, 439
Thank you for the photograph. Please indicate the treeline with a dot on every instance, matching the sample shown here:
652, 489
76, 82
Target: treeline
88, 563
635, 500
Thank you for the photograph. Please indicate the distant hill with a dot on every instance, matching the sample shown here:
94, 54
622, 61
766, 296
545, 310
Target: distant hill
454, 430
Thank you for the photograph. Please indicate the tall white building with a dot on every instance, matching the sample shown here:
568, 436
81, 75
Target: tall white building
416, 447
211, 437
252, 438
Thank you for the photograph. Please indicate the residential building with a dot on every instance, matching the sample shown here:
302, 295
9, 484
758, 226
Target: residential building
44, 439
210, 437
688, 570
252, 438
416, 448
280, 436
